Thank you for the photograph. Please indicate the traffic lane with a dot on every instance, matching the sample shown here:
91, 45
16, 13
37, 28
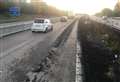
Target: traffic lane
19, 38
40, 46
10, 43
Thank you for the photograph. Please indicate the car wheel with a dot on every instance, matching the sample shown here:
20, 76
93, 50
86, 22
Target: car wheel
46, 30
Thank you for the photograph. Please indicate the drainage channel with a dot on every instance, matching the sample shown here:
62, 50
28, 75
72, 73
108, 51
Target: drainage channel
63, 36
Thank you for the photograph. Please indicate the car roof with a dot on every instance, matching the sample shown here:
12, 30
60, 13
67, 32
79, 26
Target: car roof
64, 16
42, 19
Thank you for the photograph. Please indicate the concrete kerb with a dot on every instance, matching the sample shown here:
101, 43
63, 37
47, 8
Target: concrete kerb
79, 70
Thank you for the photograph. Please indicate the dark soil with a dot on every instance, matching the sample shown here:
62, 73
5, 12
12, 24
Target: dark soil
100, 44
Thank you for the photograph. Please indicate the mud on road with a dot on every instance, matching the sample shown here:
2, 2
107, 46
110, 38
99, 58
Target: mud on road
51, 68
100, 51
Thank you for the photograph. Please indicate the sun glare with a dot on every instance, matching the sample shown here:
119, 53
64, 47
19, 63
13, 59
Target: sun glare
28, 1
82, 6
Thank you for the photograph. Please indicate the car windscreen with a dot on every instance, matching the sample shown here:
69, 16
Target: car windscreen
39, 21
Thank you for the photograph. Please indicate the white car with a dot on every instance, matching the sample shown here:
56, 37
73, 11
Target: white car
64, 19
41, 24
104, 17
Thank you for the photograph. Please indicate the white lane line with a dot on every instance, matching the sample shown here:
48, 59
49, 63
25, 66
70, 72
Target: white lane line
0, 71
78, 64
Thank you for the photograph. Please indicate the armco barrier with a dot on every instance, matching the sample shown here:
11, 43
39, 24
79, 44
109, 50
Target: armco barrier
109, 21
116, 18
10, 28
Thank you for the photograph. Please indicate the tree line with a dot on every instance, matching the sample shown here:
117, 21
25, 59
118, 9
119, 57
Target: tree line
38, 8
110, 13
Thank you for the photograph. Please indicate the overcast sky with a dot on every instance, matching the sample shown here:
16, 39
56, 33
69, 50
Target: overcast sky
82, 6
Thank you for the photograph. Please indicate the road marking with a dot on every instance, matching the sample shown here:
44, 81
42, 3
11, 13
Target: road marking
0, 71
79, 73
78, 65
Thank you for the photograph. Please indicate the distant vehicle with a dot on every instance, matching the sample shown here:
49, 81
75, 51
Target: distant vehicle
63, 19
104, 17
70, 17
42, 24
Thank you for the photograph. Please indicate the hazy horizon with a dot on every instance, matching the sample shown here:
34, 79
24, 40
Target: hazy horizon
82, 6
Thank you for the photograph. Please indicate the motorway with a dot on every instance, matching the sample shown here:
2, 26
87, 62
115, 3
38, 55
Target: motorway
12, 42
114, 23
30, 47
15, 46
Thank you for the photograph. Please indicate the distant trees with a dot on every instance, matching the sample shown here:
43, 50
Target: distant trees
108, 12
34, 8
117, 9
105, 12
4, 8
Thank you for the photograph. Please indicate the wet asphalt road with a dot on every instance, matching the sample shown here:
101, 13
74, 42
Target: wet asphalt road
10, 43
15, 46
